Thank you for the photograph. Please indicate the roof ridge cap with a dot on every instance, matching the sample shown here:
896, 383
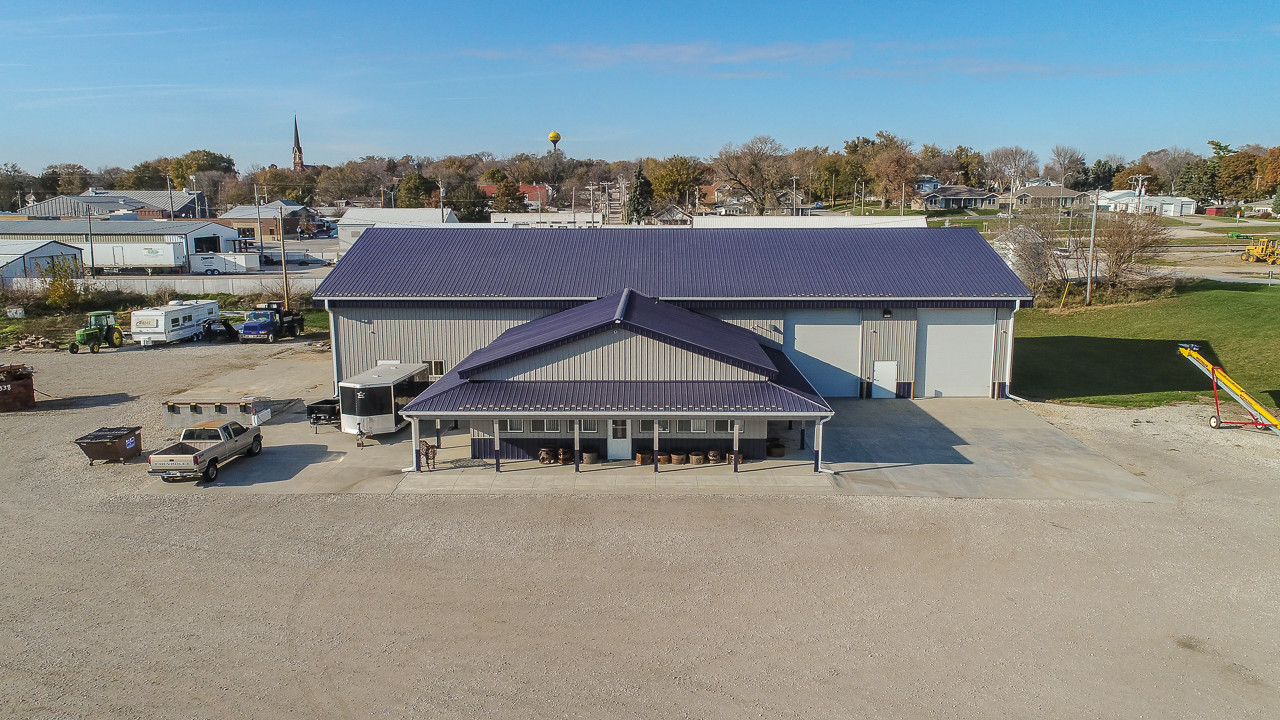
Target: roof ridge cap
622, 305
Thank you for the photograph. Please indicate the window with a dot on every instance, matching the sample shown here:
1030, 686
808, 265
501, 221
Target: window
589, 425
145, 323
512, 425
691, 426
618, 428
237, 429
174, 322
646, 426
724, 426
544, 426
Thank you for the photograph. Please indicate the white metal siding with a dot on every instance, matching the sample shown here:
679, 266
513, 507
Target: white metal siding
826, 345
618, 355
768, 324
1004, 326
892, 338
363, 336
954, 352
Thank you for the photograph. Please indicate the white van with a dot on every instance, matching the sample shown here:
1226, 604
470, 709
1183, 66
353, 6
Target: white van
179, 320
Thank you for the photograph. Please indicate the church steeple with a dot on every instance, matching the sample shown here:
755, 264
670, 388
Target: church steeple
297, 147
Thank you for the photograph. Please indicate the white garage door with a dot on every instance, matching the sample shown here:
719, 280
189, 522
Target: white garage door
954, 352
826, 345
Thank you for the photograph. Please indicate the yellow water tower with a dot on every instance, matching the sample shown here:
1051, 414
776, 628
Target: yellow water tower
554, 137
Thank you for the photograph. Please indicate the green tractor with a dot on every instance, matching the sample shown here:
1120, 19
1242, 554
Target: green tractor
102, 330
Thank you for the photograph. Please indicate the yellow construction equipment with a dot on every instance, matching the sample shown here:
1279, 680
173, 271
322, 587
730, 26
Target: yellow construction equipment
1260, 416
1260, 249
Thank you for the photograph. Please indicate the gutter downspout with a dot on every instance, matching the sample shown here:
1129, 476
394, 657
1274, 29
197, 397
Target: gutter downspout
817, 448
1008, 357
333, 347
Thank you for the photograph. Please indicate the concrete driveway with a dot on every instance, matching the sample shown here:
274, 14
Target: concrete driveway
965, 447
971, 448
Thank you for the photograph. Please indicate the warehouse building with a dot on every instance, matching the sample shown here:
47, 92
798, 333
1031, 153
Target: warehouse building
151, 245
831, 313
21, 259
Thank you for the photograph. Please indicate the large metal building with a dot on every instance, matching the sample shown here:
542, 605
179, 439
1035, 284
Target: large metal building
912, 312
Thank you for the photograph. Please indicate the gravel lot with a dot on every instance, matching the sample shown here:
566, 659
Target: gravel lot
117, 604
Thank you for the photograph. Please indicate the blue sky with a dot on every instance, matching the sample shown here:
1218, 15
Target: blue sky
117, 83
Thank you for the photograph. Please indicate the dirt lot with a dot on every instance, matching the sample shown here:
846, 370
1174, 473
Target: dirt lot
118, 604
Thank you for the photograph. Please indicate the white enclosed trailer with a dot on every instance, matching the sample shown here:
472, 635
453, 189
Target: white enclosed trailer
218, 263
371, 401
179, 320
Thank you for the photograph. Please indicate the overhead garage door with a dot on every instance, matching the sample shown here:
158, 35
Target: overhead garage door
954, 352
826, 345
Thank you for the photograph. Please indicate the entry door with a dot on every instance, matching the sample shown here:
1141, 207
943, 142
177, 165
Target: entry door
884, 379
117, 255
619, 439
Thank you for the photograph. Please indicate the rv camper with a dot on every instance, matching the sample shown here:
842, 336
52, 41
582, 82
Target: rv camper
179, 320
370, 402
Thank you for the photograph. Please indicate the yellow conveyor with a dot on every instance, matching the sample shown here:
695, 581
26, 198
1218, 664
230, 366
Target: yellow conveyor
1261, 416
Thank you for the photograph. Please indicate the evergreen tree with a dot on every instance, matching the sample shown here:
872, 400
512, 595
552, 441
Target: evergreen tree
640, 199
413, 192
507, 198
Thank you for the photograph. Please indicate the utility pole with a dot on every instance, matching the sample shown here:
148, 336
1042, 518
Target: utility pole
170, 186
88, 217
1140, 180
1093, 226
793, 194
284, 259
902, 204
257, 208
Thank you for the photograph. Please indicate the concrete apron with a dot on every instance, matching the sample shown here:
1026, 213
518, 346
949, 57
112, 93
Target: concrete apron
970, 448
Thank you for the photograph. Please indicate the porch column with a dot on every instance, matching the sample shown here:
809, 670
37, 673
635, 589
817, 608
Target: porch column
736, 427
803, 423
577, 446
437, 433
655, 445
817, 444
497, 449
417, 456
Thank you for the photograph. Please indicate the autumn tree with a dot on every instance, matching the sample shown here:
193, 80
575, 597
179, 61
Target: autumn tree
1238, 177
413, 191
676, 180
507, 197
1125, 179
14, 184
895, 169
1011, 164
469, 202
972, 166
143, 176
184, 166
754, 168
1066, 163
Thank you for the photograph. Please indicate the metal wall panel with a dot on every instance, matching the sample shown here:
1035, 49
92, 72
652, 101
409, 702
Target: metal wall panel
892, 338
363, 336
618, 355
769, 324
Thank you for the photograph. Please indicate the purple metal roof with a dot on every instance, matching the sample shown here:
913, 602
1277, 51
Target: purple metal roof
788, 393
631, 311
797, 263
623, 396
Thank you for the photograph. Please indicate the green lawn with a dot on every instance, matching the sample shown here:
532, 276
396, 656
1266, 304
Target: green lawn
1126, 355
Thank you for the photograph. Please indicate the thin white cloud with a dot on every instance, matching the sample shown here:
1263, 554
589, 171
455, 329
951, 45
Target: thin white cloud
701, 55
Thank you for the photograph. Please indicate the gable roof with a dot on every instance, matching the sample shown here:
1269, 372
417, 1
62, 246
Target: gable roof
1049, 191
672, 264
959, 191
783, 390
108, 227
11, 250
630, 311
77, 206
271, 210
158, 199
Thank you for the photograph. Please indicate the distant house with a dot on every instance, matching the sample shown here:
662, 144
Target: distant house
1166, 205
27, 258
1049, 196
357, 220
281, 217
954, 197
535, 196
927, 184
673, 214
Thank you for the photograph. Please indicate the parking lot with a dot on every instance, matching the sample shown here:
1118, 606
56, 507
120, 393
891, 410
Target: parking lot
1155, 596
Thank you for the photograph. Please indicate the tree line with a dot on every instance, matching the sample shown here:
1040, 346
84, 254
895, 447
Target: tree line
758, 173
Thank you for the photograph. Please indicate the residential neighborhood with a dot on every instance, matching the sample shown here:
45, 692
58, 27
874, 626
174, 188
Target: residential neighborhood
631, 361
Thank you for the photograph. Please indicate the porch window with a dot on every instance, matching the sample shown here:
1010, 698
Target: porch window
549, 425
646, 426
589, 425
511, 425
691, 426
724, 426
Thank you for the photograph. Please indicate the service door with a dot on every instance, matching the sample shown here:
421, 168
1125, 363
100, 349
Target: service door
826, 346
954, 352
619, 439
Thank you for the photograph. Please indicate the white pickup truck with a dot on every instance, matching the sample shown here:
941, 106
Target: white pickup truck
202, 448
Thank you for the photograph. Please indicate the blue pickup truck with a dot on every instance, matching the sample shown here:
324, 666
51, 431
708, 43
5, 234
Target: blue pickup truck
268, 321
